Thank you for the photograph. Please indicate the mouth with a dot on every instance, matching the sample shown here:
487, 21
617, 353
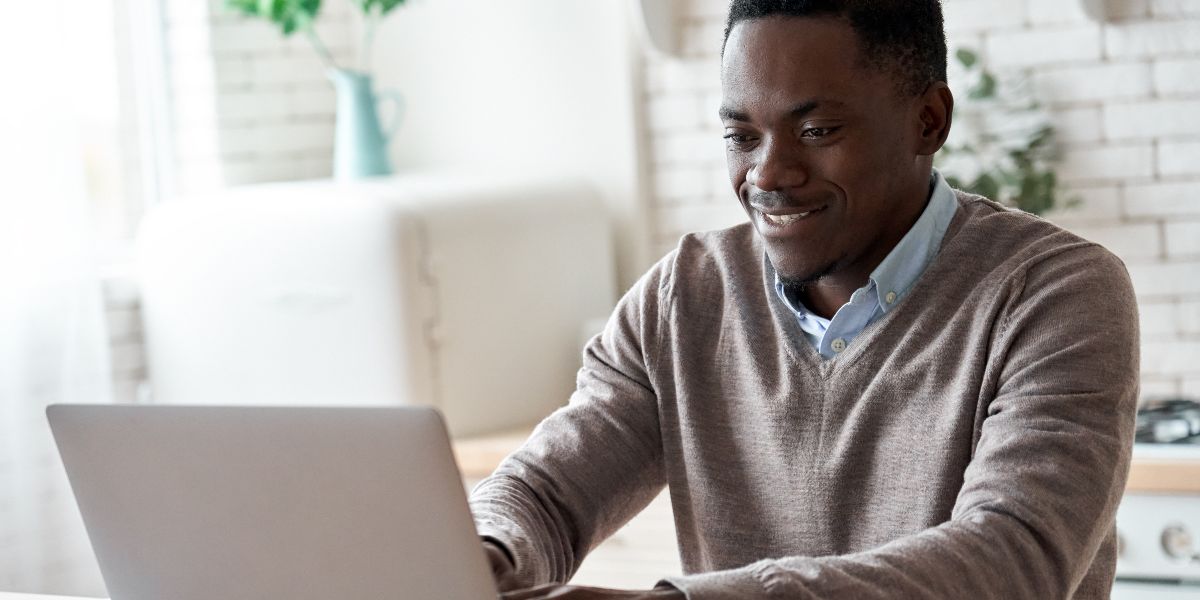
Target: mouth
786, 219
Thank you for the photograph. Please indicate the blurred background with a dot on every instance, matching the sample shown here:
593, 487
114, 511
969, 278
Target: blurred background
173, 225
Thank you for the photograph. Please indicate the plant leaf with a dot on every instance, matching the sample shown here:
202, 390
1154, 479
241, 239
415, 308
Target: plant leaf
246, 7
985, 185
966, 57
289, 15
383, 6
985, 89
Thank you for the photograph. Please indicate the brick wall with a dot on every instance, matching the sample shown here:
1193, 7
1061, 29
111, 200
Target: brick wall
248, 105
127, 353
1125, 93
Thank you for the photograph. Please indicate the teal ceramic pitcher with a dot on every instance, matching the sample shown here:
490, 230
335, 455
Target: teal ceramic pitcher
360, 148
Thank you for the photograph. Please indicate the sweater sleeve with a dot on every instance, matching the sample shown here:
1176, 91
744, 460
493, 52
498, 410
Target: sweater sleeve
591, 465
1040, 494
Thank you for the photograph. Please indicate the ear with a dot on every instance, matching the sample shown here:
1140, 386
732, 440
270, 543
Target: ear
936, 108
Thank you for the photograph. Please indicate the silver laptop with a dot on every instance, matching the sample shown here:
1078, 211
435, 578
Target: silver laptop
233, 503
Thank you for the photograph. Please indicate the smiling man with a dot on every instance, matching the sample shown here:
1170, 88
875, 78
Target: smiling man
879, 387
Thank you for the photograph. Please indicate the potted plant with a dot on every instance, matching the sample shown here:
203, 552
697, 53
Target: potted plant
1002, 145
360, 148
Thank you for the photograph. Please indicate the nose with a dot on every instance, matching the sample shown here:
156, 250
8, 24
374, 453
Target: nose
778, 166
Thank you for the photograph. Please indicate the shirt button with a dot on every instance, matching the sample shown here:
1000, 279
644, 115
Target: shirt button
838, 345
890, 297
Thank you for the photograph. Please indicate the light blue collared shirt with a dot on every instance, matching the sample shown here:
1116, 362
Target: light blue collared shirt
889, 282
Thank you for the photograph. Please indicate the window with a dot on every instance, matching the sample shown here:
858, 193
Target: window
121, 115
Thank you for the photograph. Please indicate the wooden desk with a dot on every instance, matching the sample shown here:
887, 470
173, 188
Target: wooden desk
15, 596
644, 550
478, 456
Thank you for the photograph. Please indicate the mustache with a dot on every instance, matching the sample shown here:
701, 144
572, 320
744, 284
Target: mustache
770, 200
776, 199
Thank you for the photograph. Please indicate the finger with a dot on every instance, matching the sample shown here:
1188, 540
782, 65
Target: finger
540, 591
507, 582
573, 592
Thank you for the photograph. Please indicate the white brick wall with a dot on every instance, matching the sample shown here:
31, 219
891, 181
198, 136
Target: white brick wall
1052, 45
1079, 124
1107, 163
1155, 38
1097, 82
1177, 77
1178, 159
1164, 200
1183, 239
1152, 119
1125, 94
248, 105
980, 15
126, 350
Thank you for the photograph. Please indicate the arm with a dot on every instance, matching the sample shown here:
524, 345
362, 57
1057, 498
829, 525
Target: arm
590, 466
1041, 491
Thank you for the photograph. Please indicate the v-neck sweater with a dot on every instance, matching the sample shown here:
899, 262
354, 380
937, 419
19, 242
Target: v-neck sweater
972, 443
888, 282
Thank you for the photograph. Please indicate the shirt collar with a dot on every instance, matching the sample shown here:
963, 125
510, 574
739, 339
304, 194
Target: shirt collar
905, 263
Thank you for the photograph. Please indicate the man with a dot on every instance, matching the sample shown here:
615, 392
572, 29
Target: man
877, 388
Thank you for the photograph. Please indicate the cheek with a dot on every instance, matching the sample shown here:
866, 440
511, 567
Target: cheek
738, 166
890, 149
858, 166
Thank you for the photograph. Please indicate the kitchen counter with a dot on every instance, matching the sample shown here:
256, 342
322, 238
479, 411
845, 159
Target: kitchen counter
1164, 476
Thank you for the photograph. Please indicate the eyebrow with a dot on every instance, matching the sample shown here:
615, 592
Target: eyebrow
727, 113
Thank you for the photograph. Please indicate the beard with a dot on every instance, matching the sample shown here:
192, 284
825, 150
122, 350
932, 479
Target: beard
798, 284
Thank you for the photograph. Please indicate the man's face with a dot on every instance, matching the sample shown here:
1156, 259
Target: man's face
821, 148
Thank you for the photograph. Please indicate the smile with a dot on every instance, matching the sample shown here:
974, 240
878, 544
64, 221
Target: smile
784, 220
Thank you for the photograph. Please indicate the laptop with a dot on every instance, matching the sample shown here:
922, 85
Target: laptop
287, 503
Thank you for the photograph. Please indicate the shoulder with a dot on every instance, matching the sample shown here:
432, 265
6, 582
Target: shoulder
1005, 231
693, 276
725, 257
701, 261
1038, 261
1019, 244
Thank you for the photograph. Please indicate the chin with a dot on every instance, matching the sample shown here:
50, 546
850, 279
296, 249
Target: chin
802, 275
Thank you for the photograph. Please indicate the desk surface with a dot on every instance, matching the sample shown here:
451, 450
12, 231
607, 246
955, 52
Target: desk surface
14, 596
478, 456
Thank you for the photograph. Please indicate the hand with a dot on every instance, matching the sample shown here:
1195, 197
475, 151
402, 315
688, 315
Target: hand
503, 570
555, 591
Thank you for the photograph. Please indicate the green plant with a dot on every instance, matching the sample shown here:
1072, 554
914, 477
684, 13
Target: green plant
293, 16
1002, 144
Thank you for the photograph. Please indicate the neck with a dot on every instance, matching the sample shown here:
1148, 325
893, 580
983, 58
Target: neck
824, 298
829, 293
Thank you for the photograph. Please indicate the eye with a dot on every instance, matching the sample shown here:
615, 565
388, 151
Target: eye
735, 140
816, 133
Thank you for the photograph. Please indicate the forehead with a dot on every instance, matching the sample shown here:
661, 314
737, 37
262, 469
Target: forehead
789, 58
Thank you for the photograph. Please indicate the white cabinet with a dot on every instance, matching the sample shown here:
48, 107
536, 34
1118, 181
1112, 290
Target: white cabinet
468, 294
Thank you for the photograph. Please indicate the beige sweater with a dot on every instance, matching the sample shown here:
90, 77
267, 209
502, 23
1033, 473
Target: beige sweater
973, 443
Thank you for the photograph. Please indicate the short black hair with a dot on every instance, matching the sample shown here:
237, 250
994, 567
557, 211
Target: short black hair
904, 37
